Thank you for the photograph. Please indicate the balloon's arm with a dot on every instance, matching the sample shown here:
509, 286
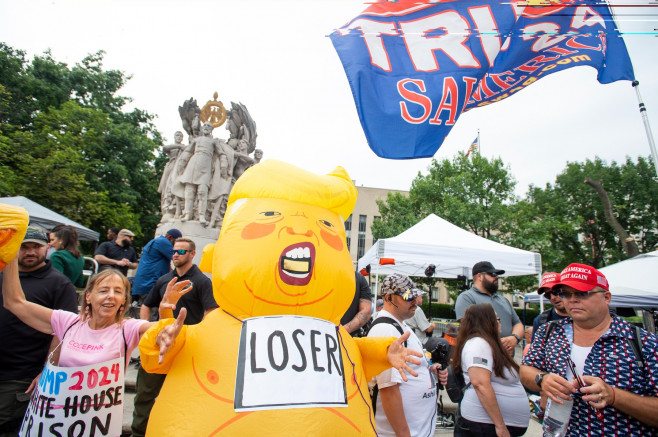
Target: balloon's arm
149, 351
374, 354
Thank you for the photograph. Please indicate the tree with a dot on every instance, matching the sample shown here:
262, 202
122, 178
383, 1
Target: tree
574, 217
474, 194
67, 143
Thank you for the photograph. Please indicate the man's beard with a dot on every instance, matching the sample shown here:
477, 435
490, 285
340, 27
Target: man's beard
490, 286
28, 263
125, 243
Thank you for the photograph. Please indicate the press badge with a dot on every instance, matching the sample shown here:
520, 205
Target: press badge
289, 362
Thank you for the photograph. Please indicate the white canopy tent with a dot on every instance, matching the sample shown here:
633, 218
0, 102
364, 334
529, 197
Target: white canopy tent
450, 248
631, 282
47, 219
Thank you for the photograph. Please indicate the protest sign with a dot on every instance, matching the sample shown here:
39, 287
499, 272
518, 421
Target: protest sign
77, 401
289, 362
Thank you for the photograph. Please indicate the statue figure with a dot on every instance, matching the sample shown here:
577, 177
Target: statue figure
198, 177
204, 168
169, 201
190, 116
242, 160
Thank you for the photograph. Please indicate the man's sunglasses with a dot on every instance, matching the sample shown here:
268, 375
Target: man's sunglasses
179, 251
492, 274
579, 294
407, 296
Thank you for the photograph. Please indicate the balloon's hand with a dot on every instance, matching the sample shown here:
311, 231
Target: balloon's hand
165, 338
398, 356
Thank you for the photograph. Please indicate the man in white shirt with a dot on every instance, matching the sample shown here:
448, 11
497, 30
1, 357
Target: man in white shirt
403, 408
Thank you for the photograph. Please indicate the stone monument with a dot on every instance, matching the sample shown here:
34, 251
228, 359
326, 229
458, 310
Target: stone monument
199, 175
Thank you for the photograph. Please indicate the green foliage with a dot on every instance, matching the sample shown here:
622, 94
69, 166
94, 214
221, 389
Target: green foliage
564, 221
66, 142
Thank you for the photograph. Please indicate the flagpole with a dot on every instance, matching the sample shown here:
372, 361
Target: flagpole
643, 108
479, 144
647, 127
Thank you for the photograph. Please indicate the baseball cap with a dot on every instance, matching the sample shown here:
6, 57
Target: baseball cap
35, 234
582, 277
400, 285
126, 232
548, 281
486, 267
174, 233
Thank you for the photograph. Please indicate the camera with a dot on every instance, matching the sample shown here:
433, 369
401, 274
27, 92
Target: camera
439, 348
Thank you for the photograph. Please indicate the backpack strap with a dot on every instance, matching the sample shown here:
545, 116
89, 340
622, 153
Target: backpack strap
550, 328
377, 321
544, 316
636, 344
388, 320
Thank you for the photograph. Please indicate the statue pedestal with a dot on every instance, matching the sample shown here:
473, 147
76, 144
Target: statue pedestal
194, 231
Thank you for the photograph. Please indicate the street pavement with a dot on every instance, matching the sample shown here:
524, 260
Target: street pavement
534, 429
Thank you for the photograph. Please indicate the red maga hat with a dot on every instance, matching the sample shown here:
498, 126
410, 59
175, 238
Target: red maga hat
582, 277
548, 281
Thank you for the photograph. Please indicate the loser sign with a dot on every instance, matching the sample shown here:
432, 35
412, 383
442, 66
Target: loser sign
77, 401
289, 362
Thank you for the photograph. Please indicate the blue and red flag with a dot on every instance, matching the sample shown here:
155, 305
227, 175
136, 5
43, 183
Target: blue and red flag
415, 66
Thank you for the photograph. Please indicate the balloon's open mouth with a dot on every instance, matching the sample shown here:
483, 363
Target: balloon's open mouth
296, 263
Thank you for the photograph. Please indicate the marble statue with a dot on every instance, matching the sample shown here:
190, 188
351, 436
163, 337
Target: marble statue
170, 204
198, 177
204, 162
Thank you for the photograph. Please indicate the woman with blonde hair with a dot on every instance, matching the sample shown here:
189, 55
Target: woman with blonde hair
495, 403
100, 326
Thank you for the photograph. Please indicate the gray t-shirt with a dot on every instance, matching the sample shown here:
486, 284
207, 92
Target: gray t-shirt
502, 306
419, 324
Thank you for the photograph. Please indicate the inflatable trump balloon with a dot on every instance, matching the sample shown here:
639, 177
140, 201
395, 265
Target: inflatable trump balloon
13, 224
273, 357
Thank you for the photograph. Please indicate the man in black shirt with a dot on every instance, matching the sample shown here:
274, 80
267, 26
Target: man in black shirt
198, 302
23, 350
118, 254
359, 312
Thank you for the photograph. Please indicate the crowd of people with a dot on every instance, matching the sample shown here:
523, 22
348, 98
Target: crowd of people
580, 351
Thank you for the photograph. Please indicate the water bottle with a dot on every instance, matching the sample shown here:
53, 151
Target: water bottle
556, 419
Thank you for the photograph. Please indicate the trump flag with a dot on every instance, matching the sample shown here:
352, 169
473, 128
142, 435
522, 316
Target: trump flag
414, 67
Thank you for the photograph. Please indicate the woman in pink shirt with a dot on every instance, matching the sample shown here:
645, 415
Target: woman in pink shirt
99, 332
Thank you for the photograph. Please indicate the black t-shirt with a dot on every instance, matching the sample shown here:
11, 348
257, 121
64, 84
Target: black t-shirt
23, 350
112, 250
362, 292
196, 301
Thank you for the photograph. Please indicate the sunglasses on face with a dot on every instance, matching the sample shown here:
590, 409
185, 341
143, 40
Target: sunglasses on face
407, 297
179, 251
579, 294
493, 275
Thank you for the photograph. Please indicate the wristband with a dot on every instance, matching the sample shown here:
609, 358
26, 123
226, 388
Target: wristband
518, 339
613, 396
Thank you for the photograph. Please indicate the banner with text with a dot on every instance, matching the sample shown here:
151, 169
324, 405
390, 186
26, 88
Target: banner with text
77, 401
415, 66
289, 362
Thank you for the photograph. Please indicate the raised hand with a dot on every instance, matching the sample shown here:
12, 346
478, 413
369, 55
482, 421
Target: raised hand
175, 290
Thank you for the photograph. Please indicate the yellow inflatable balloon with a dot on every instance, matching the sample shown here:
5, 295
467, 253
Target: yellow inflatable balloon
273, 358
13, 224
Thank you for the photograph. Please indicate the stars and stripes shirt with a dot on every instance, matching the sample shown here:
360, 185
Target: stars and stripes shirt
611, 359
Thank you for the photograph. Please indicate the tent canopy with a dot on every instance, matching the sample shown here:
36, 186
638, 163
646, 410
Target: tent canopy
631, 282
450, 248
47, 219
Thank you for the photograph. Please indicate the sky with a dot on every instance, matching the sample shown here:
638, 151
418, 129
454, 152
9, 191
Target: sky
276, 58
